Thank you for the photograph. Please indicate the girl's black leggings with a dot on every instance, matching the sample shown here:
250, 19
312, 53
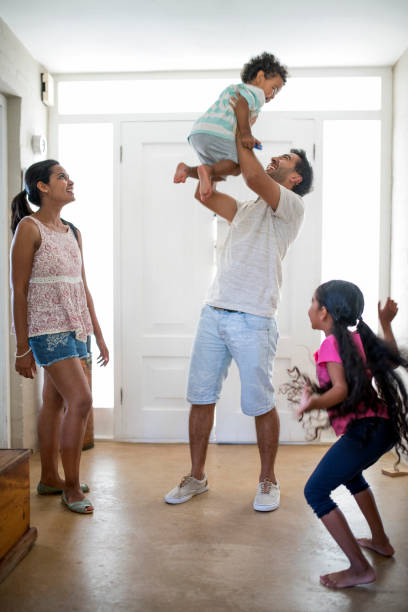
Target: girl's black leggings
363, 443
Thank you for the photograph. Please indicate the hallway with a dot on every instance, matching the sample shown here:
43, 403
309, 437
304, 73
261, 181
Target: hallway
214, 553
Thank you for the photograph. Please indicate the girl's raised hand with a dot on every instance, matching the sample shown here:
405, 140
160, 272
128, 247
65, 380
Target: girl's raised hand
388, 312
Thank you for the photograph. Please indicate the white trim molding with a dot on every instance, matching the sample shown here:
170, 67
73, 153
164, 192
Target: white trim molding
4, 285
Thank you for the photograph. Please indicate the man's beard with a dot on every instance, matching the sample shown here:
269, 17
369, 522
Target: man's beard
279, 174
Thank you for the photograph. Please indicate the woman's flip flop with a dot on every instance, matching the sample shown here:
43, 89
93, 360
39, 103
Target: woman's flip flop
79, 506
43, 489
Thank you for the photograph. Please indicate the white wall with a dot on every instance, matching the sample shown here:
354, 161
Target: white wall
20, 83
399, 242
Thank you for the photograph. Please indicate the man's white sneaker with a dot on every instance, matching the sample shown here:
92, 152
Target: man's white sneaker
187, 488
267, 497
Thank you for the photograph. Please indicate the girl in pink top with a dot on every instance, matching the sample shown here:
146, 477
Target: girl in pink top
370, 420
329, 353
53, 313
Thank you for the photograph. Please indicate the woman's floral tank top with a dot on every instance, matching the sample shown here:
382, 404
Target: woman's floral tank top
56, 300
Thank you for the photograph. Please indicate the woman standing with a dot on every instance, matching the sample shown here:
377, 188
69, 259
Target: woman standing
53, 313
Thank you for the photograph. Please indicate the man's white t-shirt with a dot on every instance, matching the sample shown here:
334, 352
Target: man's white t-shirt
249, 274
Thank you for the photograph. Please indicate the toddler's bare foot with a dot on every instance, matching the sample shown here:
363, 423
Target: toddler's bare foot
204, 174
382, 548
181, 174
348, 578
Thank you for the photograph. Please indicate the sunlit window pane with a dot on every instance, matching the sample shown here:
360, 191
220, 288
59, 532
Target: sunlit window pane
351, 207
196, 95
328, 94
138, 96
86, 152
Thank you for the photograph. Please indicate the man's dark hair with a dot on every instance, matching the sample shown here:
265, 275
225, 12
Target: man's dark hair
305, 170
266, 62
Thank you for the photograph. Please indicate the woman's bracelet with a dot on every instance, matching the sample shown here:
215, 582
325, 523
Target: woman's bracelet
24, 354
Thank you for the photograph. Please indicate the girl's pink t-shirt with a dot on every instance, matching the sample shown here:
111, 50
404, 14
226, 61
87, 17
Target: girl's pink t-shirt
329, 351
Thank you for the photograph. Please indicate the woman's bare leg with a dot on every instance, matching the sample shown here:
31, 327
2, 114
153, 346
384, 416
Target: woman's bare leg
49, 422
360, 571
379, 540
69, 379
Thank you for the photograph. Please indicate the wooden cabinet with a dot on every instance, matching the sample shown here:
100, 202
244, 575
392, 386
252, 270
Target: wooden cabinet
16, 535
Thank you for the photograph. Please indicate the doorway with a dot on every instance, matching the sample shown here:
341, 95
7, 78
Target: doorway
4, 285
168, 246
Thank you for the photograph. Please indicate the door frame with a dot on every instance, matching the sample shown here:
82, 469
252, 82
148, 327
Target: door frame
4, 286
318, 117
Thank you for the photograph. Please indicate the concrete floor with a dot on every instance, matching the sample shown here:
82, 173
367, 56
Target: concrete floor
214, 553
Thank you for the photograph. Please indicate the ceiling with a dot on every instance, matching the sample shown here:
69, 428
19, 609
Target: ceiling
134, 35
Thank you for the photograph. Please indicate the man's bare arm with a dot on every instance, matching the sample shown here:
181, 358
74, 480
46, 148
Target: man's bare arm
256, 177
252, 171
220, 203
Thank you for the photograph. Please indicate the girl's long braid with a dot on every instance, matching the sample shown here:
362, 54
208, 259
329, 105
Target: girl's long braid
360, 390
382, 361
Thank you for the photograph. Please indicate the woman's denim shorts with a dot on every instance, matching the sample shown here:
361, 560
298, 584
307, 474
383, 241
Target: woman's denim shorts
49, 348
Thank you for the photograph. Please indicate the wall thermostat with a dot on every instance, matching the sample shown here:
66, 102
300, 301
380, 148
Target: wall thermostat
47, 89
39, 144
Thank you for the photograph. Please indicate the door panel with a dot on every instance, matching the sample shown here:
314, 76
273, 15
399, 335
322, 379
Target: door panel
167, 263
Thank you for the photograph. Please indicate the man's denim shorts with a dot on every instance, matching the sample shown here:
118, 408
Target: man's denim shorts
251, 341
49, 348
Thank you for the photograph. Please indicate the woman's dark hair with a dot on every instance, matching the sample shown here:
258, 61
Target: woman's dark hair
40, 171
266, 62
305, 170
345, 303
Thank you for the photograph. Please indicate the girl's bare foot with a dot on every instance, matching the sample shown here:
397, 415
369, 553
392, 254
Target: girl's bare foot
181, 174
204, 174
382, 548
348, 578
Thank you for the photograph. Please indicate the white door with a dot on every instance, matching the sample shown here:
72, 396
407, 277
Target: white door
167, 263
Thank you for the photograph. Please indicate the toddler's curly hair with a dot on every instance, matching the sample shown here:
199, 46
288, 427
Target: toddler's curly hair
266, 62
